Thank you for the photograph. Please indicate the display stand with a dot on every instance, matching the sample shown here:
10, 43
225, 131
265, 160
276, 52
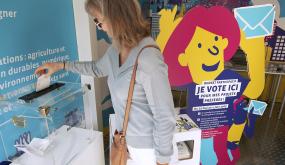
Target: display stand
186, 140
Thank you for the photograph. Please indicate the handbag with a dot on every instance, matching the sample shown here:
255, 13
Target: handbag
119, 151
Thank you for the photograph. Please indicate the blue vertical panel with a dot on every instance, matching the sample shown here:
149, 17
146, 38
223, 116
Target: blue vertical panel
33, 32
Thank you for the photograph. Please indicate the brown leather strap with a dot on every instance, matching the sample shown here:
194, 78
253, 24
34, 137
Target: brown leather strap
131, 90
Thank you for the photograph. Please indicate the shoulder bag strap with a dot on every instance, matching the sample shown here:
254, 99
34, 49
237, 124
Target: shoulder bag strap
131, 90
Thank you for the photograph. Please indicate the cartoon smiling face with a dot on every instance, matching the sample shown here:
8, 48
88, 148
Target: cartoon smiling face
204, 55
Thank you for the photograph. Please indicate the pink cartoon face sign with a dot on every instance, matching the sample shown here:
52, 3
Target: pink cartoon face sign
200, 44
211, 63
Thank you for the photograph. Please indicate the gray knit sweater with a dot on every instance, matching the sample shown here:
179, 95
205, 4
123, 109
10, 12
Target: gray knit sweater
152, 116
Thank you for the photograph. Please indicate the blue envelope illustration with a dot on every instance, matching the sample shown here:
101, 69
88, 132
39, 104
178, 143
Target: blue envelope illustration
259, 107
256, 21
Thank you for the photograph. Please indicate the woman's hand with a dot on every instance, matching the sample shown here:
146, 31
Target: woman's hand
49, 68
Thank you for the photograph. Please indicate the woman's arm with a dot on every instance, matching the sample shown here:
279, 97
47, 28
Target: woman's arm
91, 68
158, 93
98, 68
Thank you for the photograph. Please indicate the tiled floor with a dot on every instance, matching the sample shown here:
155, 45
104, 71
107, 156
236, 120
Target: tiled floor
268, 144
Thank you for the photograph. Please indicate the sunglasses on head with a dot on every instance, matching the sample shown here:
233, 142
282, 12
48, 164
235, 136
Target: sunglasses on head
98, 24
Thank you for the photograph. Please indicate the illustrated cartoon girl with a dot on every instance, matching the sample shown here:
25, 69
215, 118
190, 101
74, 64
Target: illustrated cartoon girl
195, 48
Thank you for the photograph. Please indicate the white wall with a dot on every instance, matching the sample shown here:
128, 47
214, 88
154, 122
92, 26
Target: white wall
86, 42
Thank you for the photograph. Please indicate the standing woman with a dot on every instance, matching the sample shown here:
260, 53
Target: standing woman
152, 117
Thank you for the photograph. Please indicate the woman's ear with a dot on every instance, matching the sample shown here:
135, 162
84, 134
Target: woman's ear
182, 59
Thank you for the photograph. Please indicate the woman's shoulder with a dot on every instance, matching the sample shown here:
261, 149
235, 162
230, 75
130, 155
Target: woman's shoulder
151, 57
147, 41
149, 46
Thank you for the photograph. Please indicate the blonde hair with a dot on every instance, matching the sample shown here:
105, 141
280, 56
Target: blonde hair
126, 20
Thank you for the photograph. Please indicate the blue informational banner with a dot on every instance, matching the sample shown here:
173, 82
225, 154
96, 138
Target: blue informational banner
210, 104
33, 32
